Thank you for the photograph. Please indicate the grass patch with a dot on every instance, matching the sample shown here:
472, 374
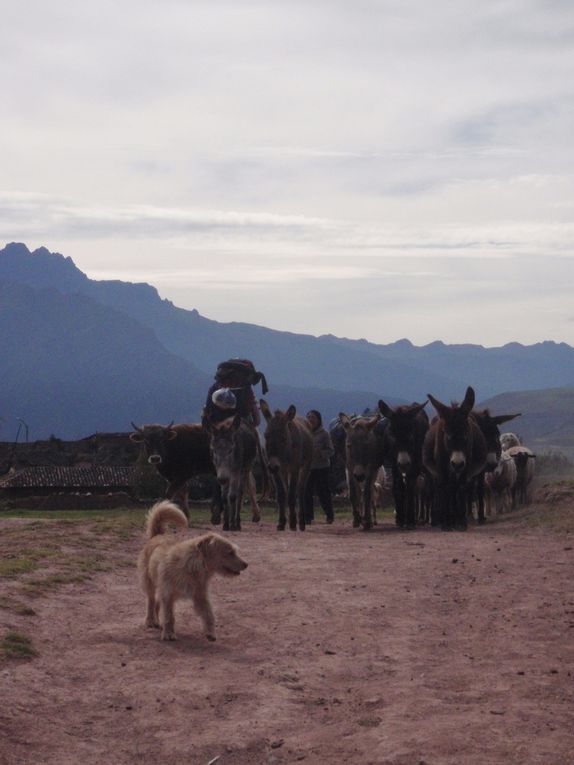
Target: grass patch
16, 607
12, 567
51, 582
16, 646
558, 519
73, 515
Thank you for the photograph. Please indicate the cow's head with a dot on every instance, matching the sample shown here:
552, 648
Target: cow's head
277, 435
456, 429
154, 439
360, 443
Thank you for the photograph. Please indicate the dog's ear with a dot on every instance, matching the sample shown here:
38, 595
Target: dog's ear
204, 542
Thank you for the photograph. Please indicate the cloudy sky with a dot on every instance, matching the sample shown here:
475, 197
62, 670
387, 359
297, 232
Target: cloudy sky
378, 169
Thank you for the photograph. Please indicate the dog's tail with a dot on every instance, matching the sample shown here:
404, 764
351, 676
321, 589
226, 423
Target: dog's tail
161, 514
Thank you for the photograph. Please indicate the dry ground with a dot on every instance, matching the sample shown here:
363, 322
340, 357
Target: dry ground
335, 646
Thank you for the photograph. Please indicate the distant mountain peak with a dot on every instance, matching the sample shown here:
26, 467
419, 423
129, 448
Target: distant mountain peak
404, 342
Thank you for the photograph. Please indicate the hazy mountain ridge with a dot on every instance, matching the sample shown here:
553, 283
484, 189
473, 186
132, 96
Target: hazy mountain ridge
145, 359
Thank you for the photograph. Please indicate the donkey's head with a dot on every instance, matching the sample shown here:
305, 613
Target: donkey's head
456, 430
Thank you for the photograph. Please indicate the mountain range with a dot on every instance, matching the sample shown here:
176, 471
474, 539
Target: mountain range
81, 356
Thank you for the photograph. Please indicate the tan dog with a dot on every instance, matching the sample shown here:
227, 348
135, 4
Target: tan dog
172, 567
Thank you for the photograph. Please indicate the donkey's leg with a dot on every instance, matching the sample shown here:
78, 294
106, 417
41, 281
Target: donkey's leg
367, 495
292, 499
225, 504
480, 498
355, 502
301, 492
252, 489
281, 498
399, 497
410, 502
216, 504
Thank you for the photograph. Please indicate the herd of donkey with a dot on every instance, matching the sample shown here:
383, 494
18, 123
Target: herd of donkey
439, 469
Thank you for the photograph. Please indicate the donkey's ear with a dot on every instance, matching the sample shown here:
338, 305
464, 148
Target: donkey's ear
344, 420
373, 422
384, 408
468, 402
265, 409
420, 407
291, 412
500, 418
442, 409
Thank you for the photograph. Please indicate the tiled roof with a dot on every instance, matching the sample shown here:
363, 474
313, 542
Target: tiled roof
101, 476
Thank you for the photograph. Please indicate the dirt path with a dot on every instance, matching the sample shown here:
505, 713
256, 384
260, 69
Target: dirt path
335, 646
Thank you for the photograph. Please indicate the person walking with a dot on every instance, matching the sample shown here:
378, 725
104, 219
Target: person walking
320, 469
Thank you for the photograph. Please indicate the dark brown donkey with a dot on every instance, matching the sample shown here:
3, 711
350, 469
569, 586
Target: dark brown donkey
403, 447
364, 456
489, 427
454, 451
289, 447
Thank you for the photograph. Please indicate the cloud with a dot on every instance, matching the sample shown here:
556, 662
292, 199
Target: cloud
337, 148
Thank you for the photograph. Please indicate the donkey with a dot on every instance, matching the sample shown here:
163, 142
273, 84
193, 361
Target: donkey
403, 445
289, 446
454, 451
489, 427
234, 446
364, 456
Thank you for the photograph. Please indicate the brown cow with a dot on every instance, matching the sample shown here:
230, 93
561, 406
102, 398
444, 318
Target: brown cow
289, 447
454, 451
178, 452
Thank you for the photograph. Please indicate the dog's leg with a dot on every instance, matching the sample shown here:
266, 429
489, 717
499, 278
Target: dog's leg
152, 609
167, 619
205, 612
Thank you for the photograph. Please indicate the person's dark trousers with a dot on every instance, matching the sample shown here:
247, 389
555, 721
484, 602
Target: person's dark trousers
318, 482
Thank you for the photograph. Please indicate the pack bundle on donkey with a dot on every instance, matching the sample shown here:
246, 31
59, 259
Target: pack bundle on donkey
402, 446
289, 448
454, 452
364, 456
229, 396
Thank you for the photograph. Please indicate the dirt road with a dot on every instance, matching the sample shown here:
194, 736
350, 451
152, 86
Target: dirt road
335, 646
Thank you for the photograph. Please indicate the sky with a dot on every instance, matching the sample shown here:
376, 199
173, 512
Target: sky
389, 169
